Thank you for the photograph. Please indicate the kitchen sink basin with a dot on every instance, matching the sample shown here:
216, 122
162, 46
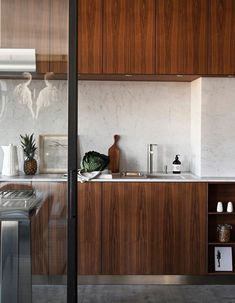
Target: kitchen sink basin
165, 176
157, 176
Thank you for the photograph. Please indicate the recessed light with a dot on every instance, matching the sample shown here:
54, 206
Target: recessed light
179, 76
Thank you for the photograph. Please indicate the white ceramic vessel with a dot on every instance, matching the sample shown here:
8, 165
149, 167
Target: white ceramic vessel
10, 165
230, 207
219, 208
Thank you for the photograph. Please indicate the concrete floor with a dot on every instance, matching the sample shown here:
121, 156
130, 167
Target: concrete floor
138, 294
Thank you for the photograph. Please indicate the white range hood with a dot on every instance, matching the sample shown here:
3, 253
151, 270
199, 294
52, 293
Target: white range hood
17, 60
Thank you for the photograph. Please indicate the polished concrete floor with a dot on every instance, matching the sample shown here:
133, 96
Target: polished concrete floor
138, 294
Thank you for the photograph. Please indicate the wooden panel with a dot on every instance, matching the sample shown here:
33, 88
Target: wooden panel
185, 226
149, 228
25, 24
57, 228
50, 229
59, 34
89, 217
39, 235
221, 37
129, 37
90, 36
126, 228
181, 33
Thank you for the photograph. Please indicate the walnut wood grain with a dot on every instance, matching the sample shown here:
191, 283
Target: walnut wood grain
59, 35
181, 36
57, 219
152, 228
49, 230
25, 24
40, 236
90, 32
89, 229
129, 37
221, 37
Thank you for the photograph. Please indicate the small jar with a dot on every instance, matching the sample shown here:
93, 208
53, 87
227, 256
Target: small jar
224, 232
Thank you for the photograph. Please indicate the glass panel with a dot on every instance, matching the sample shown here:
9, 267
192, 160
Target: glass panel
33, 104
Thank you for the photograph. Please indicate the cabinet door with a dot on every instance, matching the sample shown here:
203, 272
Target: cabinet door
181, 36
126, 228
25, 24
221, 37
49, 230
39, 230
59, 36
154, 228
129, 37
89, 229
90, 36
184, 228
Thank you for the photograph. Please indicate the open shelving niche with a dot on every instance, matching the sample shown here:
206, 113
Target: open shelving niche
223, 192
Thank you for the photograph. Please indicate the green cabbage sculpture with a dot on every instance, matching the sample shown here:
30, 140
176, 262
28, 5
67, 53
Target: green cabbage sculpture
94, 161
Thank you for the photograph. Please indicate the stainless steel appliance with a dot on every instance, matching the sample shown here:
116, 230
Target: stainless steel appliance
16, 209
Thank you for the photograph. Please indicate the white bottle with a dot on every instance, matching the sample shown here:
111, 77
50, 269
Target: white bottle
219, 208
230, 207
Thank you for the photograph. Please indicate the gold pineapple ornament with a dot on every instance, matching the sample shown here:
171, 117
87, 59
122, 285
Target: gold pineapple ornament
29, 147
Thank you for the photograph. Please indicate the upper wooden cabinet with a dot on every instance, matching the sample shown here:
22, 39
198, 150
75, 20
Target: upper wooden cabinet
221, 54
25, 24
59, 33
90, 36
181, 36
119, 37
129, 37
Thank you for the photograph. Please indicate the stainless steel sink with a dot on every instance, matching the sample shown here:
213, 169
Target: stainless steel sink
166, 177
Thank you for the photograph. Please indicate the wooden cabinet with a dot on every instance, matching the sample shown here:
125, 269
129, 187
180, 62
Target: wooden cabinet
25, 24
221, 53
90, 33
219, 192
59, 33
89, 233
129, 37
154, 228
49, 230
181, 36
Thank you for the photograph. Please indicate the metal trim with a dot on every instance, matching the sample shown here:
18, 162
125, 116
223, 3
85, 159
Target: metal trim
72, 153
138, 280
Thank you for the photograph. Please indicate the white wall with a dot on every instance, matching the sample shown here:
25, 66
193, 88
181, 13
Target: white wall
141, 112
196, 120
218, 127
196, 103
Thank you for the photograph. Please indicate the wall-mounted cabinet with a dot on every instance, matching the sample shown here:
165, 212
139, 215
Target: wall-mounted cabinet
221, 37
129, 37
25, 24
119, 37
181, 37
90, 35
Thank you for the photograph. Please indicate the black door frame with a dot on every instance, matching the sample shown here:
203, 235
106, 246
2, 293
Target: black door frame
72, 153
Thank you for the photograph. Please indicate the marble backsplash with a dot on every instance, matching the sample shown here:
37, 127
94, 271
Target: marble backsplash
141, 112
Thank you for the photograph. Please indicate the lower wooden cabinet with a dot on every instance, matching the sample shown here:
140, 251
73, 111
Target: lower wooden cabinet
154, 228
89, 228
49, 230
124, 228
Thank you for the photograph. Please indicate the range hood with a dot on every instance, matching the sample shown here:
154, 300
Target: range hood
17, 60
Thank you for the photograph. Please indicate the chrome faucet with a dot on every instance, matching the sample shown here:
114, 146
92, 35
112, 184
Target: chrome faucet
150, 158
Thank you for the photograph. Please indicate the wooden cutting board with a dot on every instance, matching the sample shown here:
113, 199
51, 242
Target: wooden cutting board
114, 156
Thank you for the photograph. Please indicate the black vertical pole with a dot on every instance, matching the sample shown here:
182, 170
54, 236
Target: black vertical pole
72, 153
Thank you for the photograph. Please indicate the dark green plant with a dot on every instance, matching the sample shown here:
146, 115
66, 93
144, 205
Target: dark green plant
29, 146
94, 161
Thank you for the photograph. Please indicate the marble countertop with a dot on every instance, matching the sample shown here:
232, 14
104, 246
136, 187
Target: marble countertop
184, 177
